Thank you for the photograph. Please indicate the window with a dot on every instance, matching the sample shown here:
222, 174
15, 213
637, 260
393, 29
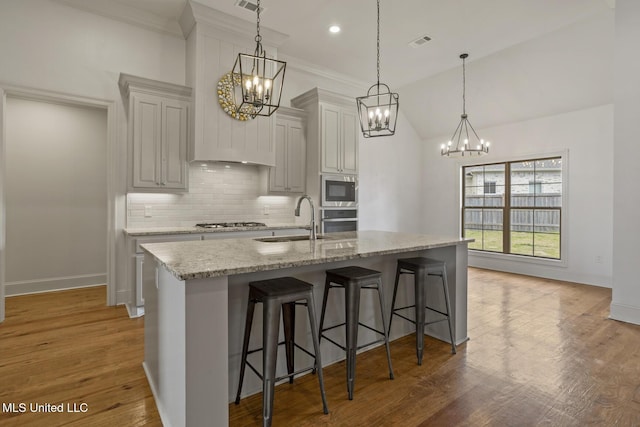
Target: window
535, 187
490, 187
514, 207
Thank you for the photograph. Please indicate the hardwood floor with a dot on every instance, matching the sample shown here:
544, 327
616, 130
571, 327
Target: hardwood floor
542, 352
68, 347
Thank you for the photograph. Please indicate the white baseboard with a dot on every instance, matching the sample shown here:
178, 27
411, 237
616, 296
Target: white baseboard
536, 268
134, 311
625, 313
24, 287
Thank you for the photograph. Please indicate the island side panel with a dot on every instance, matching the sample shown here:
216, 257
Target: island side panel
459, 301
207, 353
455, 258
165, 341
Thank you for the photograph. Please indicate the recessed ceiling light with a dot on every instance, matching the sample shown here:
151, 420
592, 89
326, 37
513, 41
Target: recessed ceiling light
334, 29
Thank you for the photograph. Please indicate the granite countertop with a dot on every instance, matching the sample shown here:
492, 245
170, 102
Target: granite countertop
151, 231
225, 257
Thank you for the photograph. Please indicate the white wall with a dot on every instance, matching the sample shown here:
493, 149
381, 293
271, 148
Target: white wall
391, 181
549, 95
588, 214
625, 303
51, 47
56, 196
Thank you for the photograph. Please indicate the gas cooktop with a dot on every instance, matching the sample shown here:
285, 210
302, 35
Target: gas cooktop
230, 224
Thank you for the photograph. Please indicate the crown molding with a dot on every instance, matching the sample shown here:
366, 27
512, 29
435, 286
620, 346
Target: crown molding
130, 15
224, 26
305, 67
128, 82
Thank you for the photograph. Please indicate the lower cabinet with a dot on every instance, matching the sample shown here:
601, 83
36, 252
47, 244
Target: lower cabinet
136, 264
136, 255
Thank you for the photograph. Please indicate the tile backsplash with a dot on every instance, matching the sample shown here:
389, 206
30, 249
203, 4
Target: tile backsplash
218, 192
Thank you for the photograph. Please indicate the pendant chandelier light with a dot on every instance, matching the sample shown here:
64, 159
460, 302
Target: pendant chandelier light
463, 140
261, 79
378, 110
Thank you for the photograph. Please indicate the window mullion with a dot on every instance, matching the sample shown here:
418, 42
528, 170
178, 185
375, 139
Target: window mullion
506, 210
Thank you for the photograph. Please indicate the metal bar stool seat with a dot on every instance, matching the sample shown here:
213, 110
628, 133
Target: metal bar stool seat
421, 268
276, 294
353, 279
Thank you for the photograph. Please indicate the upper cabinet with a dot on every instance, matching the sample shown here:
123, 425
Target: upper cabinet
332, 135
288, 174
158, 133
213, 41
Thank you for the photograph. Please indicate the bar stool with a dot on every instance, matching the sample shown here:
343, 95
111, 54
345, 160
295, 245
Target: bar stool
281, 292
421, 268
352, 279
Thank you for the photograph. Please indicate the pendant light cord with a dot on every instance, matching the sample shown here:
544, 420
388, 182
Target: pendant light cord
464, 88
378, 46
258, 37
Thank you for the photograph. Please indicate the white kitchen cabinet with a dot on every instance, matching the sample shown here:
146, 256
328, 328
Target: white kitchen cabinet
288, 175
339, 140
332, 132
136, 265
158, 121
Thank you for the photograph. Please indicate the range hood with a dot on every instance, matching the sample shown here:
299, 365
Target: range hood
214, 39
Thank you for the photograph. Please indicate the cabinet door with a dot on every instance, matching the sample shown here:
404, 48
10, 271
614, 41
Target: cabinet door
277, 174
349, 148
296, 157
175, 132
330, 138
146, 129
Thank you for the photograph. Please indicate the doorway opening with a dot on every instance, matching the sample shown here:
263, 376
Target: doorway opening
57, 193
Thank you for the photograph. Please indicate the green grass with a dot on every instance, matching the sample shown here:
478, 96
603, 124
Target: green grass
522, 243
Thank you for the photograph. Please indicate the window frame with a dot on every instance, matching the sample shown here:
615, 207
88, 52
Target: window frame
507, 209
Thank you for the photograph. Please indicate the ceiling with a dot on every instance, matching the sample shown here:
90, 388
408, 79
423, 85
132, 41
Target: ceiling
480, 27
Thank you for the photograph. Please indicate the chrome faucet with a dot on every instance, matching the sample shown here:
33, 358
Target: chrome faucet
312, 235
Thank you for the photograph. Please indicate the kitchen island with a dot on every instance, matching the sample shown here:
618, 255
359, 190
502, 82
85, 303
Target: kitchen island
196, 296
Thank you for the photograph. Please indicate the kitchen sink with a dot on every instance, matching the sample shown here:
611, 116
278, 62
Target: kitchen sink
289, 238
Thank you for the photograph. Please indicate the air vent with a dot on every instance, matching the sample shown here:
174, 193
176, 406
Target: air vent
249, 5
419, 41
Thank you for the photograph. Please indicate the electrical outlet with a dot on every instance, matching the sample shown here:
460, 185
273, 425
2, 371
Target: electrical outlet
265, 209
147, 211
598, 259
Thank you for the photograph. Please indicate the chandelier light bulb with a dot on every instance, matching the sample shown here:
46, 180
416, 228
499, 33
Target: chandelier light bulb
247, 84
267, 84
256, 80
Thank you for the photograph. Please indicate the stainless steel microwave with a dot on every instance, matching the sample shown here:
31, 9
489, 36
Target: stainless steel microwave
339, 190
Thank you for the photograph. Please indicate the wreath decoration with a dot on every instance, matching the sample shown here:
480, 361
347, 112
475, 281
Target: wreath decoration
226, 88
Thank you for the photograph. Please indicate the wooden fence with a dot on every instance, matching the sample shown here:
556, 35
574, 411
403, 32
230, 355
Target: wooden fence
536, 219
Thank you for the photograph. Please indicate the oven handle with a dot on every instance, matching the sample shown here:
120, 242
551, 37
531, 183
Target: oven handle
338, 219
